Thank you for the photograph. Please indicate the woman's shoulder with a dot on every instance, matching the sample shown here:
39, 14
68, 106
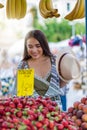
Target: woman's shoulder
22, 64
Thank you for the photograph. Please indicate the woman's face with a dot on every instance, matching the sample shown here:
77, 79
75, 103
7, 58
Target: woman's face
34, 48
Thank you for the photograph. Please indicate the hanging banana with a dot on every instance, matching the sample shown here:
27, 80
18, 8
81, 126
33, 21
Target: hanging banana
81, 10
49, 6
23, 8
78, 11
16, 9
12, 8
1, 5
47, 10
43, 9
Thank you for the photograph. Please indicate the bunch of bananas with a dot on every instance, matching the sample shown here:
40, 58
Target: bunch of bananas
1, 5
16, 9
47, 10
78, 11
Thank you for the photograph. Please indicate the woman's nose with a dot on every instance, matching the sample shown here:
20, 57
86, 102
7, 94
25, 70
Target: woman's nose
34, 49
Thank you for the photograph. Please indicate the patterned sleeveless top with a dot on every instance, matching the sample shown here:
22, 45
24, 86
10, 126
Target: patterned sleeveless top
53, 86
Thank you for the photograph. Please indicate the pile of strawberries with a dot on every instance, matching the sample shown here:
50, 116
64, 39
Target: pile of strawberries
25, 113
78, 113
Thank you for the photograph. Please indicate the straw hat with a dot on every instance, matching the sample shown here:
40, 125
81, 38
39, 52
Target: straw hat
67, 65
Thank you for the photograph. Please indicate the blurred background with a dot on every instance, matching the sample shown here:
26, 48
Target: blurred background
60, 33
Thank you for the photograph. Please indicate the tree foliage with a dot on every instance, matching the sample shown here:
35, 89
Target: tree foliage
56, 31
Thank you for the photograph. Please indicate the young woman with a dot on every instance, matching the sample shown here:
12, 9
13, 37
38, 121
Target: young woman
37, 55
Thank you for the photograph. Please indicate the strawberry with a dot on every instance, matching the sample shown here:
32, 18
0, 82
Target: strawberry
38, 124
26, 122
51, 124
5, 124
12, 105
60, 127
46, 121
19, 106
1, 120
16, 100
6, 103
65, 123
19, 114
15, 120
1, 109
7, 109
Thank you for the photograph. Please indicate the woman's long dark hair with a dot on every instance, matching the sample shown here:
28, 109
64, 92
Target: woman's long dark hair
39, 36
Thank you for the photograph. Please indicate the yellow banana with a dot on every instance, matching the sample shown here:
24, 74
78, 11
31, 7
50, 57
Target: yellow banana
23, 8
77, 9
17, 9
56, 15
8, 11
12, 8
49, 6
44, 16
1, 5
81, 10
70, 16
43, 10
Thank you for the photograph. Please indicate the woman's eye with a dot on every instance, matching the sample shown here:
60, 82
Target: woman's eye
38, 46
29, 47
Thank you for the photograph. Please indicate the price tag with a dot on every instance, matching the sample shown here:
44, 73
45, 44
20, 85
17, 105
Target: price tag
25, 82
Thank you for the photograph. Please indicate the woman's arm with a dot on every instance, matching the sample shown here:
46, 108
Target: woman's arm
62, 83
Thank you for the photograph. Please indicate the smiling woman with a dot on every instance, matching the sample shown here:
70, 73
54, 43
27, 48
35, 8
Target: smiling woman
37, 55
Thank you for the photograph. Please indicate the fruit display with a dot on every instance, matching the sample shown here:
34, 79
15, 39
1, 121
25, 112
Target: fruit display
78, 11
78, 113
26, 113
16, 9
47, 10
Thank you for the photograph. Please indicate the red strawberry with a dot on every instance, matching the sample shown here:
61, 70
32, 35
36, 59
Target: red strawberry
7, 109
16, 100
12, 105
19, 105
26, 122
60, 127
1, 120
6, 103
1, 109
15, 120
39, 124
19, 113
65, 123
46, 121
5, 124
51, 124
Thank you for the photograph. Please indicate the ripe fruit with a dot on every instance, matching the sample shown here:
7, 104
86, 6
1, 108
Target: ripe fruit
84, 117
70, 109
75, 104
78, 122
84, 126
12, 105
80, 106
79, 114
83, 100
85, 109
